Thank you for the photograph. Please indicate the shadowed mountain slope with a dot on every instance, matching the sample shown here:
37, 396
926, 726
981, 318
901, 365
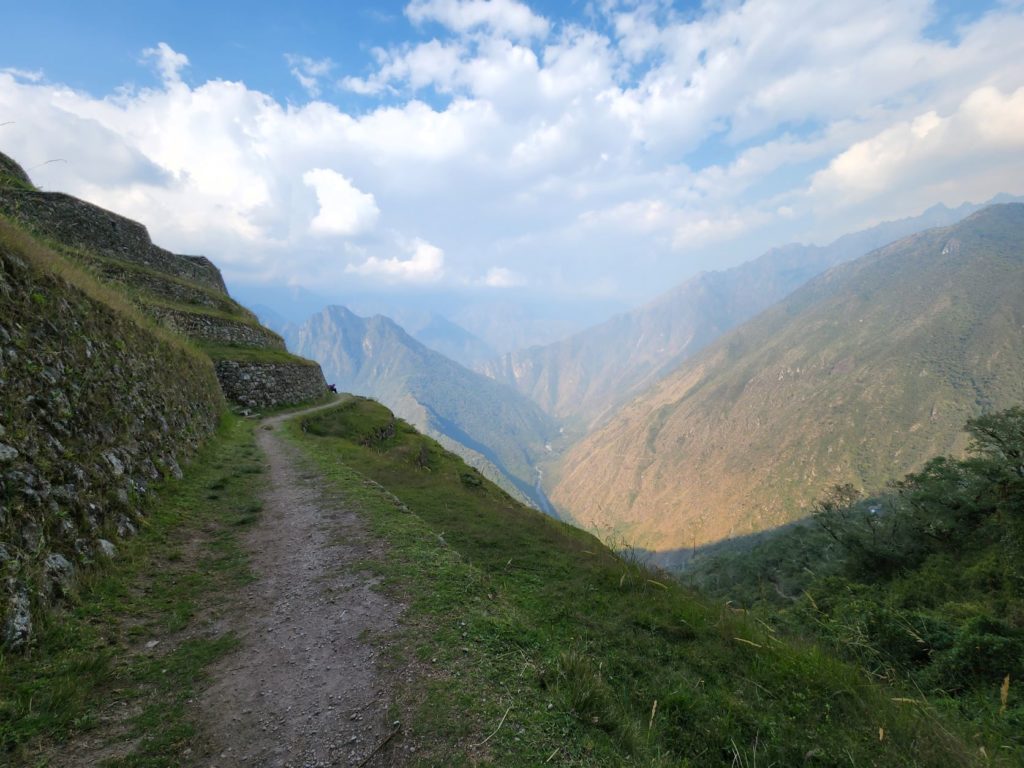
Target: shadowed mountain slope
858, 377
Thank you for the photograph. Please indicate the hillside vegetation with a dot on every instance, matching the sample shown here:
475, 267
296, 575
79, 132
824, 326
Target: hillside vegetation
538, 645
859, 376
923, 584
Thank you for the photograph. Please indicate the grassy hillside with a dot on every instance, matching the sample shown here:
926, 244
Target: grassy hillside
860, 376
535, 644
583, 378
496, 428
924, 584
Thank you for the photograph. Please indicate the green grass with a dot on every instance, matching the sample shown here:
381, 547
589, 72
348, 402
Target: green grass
251, 354
535, 642
134, 276
240, 317
90, 672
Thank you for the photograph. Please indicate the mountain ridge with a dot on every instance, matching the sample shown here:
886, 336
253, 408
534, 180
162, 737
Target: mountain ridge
579, 380
914, 338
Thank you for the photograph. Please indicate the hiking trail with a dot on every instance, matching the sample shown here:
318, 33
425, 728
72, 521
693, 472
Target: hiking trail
305, 688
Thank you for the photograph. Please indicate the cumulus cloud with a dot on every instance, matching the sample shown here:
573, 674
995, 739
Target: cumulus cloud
344, 210
428, 64
564, 149
29, 75
504, 17
985, 133
425, 264
168, 61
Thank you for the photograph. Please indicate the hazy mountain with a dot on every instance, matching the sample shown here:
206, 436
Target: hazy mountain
429, 328
493, 426
857, 377
451, 340
502, 320
582, 378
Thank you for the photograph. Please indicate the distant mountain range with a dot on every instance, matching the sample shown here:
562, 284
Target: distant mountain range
857, 377
583, 378
429, 328
495, 428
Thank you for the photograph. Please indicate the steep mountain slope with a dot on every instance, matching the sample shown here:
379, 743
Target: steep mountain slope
612, 664
429, 328
857, 377
583, 377
494, 427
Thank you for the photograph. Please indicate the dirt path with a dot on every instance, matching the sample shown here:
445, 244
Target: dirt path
304, 689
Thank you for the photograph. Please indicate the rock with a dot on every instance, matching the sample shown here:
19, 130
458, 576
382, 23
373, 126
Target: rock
68, 530
8, 453
18, 627
174, 469
93, 515
107, 549
59, 574
125, 527
114, 462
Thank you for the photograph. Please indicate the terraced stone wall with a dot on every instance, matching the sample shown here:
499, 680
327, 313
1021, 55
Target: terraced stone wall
218, 330
263, 384
94, 406
75, 222
164, 287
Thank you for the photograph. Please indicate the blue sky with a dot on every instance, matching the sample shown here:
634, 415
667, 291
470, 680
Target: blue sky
597, 149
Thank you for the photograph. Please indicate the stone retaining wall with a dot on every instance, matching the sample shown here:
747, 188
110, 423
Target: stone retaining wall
93, 408
265, 385
215, 329
163, 286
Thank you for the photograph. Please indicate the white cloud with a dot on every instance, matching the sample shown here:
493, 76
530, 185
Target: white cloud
426, 264
985, 133
169, 62
428, 64
634, 151
501, 277
309, 71
504, 17
344, 210
29, 75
